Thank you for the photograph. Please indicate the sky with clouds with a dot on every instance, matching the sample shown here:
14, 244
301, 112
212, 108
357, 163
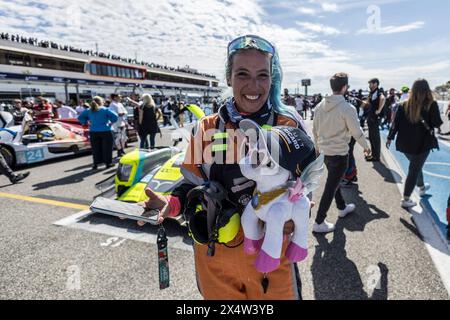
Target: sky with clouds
397, 41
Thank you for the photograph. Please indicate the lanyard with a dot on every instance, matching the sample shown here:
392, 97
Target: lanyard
163, 259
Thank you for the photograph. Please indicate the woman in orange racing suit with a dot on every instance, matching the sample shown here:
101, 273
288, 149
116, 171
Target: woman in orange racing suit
253, 72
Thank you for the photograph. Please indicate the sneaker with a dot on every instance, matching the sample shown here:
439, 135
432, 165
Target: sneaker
406, 204
423, 190
325, 227
349, 209
19, 177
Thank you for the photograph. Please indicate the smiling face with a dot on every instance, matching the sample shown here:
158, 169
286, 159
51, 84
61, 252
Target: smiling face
251, 80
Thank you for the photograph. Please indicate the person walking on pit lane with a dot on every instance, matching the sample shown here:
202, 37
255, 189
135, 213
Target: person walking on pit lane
414, 126
335, 122
100, 120
147, 120
120, 127
375, 106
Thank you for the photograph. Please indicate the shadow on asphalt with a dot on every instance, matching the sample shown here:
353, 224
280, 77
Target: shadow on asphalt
6, 185
335, 276
87, 166
387, 173
65, 181
411, 227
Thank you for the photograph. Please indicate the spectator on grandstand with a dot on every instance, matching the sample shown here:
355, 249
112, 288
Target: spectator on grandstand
53, 45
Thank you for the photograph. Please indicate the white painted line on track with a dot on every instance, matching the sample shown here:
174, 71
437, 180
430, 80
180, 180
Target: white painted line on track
73, 218
75, 221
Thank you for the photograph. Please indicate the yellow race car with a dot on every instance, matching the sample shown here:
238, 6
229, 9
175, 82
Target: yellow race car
159, 170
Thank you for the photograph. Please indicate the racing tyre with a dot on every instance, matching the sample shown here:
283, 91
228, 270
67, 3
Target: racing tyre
8, 155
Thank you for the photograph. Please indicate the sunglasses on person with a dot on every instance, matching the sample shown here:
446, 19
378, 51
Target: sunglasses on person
250, 42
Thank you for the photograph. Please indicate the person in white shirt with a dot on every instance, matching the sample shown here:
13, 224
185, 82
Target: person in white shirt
65, 112
299, 106
120, 127
405, 94
81, 107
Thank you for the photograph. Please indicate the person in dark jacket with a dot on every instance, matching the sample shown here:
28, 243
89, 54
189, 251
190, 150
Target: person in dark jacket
100, 120
375, 106
148, 116
414, 124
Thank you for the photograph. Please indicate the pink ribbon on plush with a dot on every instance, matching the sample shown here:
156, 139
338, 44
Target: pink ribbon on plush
296, 193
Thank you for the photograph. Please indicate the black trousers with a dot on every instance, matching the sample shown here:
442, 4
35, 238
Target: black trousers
102, 147
374, 136
336, 165
4, 168
415, 174
143, 136
351, 171
152, 140
166, 119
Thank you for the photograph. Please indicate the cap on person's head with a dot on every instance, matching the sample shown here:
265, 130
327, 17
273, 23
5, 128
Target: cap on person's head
294, 149
375, 80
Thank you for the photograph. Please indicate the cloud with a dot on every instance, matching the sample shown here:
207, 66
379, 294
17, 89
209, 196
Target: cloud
307, 11
196, 33
174, 32
345, 5
330, 7
319, 28
393, 29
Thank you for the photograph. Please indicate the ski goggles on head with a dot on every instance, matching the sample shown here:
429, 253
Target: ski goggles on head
250, 42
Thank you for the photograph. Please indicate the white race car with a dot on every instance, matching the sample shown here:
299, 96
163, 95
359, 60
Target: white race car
34, 142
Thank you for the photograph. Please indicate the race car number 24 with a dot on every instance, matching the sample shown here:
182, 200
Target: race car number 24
34, 155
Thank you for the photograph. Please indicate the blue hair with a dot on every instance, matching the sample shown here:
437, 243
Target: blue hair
275, 92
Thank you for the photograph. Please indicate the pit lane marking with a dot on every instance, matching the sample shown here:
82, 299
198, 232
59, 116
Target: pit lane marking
88, 221
435, 174
44, 201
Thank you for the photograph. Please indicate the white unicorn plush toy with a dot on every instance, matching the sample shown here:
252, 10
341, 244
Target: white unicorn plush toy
283, 163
